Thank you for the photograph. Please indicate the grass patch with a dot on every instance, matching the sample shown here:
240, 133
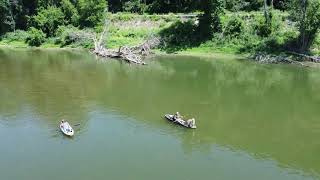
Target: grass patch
15, 44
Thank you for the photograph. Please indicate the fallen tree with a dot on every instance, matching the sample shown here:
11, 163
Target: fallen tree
276, 59
129, 54
307, 57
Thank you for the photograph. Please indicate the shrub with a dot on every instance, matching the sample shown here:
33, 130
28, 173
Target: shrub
234, 27
18, 35
262, 28
70, 35
36, 37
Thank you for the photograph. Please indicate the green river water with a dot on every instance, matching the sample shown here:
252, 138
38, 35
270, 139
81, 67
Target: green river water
255, 122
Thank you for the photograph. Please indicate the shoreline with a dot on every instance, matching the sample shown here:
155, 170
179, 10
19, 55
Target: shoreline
189, 53
157, 52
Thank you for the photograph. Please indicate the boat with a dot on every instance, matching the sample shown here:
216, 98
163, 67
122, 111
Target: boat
66, 128
188, 124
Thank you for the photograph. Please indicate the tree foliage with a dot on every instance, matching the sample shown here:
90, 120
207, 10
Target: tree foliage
5, 16
210, 20
234, 27
91, 12
307, 15
48, 20
134, 6
70, 12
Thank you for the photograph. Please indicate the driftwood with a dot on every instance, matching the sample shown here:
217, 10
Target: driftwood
276, 59
307, 58
129, 54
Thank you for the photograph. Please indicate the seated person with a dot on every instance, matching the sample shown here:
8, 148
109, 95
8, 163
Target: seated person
177, 116
191, 122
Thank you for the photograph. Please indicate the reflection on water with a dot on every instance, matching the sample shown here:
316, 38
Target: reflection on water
254, 121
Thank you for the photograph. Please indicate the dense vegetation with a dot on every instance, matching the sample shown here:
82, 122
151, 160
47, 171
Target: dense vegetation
217, 25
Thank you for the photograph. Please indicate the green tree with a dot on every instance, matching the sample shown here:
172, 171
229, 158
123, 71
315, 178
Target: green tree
5, 17
267, 18
210, 20
70, 12
91, 12
47, 3
36, 37
245, 5
134, 6
48, 20
307, 15
175, 6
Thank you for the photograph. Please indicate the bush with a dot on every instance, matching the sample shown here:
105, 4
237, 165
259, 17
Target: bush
70, 35
262, 28
234, 27
36, 37
18, 35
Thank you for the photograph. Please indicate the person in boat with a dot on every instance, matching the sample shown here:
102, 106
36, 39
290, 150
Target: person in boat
62, 121
191, 122
177, 116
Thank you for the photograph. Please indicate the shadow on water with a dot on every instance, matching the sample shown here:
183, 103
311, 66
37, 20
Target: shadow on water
268, 111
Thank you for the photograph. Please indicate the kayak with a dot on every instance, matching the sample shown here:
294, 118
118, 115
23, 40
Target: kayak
188, 124
66, 129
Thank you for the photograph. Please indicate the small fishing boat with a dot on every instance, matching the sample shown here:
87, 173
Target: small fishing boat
66, 128
191, 123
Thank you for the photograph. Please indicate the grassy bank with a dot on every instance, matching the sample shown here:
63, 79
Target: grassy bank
242, 33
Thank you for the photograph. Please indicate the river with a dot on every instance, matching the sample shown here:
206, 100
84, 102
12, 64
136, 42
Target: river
254, 121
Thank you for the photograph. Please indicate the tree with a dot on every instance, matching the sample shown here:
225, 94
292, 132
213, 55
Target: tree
134, 6
210, 20
5, 17
48, 20
10, 12
70, 12
307, 15
280, 4
46, 3
245, 5
268, 18
91, 12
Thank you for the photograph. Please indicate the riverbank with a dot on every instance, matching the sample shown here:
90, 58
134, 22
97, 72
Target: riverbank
190, 52
239, 37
